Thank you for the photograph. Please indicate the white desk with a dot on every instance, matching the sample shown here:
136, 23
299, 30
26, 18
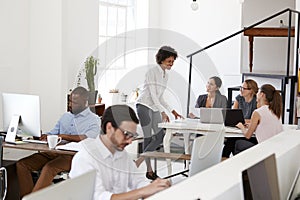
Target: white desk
224, 181
188, 126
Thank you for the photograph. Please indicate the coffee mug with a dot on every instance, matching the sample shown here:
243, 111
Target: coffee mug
53, 140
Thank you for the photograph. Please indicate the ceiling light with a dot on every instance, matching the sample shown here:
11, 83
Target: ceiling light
194, 5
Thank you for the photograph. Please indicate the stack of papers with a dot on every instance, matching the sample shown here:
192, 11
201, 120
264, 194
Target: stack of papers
72, 146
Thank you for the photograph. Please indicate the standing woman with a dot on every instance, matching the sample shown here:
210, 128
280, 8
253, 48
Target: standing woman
151, 106
246, 101
213, 98
265, 121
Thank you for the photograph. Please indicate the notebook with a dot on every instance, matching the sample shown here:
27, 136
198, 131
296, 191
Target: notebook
233, 117
211, 115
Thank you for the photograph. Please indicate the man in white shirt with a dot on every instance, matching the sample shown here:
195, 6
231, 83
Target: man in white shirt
117, 176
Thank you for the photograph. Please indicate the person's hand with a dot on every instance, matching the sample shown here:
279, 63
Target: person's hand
156, 186
240, 126
191, 115
43, 137
165, 117
176, 114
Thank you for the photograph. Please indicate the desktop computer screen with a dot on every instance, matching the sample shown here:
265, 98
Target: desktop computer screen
260, 181
27, 107
78, 188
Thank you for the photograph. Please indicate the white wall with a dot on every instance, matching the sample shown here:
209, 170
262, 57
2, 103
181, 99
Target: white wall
269, 54
14, 47
43, 44
45, 56
213, 21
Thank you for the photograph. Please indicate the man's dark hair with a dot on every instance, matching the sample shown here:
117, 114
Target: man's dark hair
116, 114
165, 52
81, 91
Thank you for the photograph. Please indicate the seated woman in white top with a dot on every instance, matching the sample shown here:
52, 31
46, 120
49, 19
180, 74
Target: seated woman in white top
265, 121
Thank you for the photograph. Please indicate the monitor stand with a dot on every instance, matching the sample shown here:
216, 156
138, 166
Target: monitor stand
12, 130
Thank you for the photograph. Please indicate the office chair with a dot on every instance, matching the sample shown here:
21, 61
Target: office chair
206, 152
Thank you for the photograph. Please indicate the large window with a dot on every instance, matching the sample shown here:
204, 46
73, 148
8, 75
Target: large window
116, 18
117, 53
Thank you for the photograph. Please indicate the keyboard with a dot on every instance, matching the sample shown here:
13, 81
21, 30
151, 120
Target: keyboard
35, 141
16, 142
229, 129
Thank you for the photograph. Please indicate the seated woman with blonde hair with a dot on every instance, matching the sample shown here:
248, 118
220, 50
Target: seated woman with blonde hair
246, 101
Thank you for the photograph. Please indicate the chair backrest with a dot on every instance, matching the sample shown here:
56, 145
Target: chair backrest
206, 152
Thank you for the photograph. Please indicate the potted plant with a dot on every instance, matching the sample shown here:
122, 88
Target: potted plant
90, 66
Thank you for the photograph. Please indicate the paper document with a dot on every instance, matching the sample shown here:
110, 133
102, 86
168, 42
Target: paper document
72, 146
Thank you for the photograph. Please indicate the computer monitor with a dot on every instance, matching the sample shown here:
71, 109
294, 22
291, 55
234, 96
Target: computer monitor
260, 181
21, 115
78, 188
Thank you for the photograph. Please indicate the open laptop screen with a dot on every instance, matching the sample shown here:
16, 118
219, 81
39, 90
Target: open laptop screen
233, 117
211, 115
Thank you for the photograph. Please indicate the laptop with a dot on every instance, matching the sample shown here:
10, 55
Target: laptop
211, 115
233, 117
78, 188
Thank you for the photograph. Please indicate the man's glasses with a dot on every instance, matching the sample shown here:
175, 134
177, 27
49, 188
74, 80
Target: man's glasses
243, 88
128, 134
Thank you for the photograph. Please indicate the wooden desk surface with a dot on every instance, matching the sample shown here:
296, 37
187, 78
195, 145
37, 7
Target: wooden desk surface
269, 32
37, 147
265, 32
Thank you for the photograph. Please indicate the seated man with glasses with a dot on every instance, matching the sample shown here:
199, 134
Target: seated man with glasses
117, 175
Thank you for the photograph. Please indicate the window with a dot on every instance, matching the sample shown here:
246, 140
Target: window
116, 18
116, 51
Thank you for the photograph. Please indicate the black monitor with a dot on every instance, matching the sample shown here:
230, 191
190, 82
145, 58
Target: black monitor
260, 181
21, 114
233, 117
